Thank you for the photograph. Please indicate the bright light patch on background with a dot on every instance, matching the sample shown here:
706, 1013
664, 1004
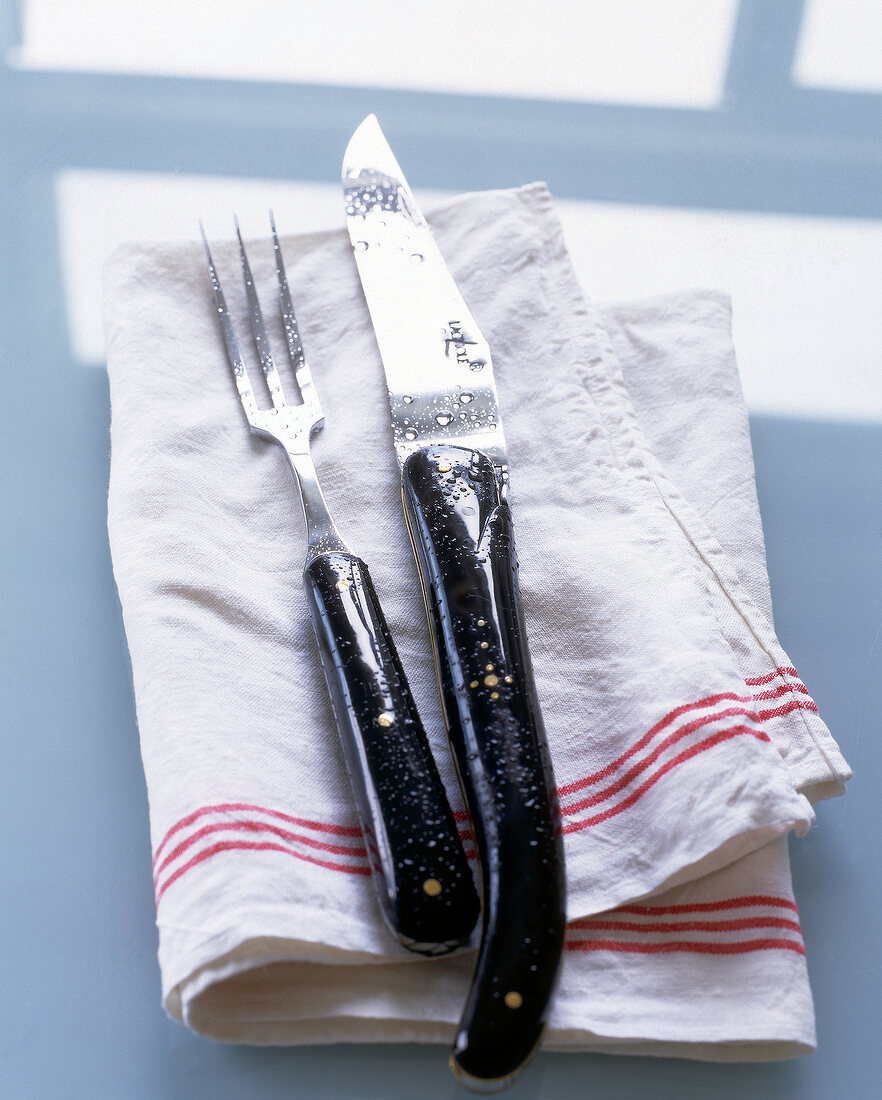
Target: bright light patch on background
619, 51
99, 210
840, 45
805, 293
805, 290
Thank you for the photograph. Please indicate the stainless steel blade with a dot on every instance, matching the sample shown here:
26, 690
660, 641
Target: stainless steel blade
438, 367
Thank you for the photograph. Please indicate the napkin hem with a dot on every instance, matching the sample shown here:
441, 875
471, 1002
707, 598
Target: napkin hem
822, 777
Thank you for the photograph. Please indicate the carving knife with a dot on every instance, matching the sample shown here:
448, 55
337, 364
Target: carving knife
449, 439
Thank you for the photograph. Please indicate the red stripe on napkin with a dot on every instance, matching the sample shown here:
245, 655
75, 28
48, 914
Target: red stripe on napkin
255, 846
794, 704
745, 902
233, 807
693, 947
686, 754
358, 851
608, 769
786, 670
782, 689
727, 935
642, 765
741, 924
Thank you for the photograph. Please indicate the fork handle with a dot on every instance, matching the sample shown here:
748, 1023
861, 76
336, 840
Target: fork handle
425, 886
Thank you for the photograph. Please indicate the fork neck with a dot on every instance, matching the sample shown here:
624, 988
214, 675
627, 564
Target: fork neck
321, 533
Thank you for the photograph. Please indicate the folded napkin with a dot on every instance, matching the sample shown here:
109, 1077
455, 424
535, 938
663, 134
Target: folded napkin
684, 744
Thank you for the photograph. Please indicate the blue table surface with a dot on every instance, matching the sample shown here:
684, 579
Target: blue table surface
81, 1015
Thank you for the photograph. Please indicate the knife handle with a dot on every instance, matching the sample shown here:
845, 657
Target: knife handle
464, 541
425, 888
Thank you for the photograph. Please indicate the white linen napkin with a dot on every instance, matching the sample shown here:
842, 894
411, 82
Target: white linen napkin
684, 744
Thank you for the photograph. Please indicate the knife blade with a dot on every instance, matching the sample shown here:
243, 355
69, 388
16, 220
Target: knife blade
449, 439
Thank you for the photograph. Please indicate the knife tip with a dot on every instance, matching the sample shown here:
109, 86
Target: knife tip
367, 147
365, 132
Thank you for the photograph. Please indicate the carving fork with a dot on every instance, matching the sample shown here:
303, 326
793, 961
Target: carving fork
425, 887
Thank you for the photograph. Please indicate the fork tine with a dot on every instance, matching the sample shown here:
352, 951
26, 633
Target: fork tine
237, 363
292, 331
258, 329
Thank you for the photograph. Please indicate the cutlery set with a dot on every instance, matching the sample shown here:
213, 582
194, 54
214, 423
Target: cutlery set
449, 440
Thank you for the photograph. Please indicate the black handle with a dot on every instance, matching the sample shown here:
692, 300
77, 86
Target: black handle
426, 889
464, 541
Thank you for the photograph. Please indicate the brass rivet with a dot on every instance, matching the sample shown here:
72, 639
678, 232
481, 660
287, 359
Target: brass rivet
494, 694
385, 720
509, 679
482, 622
473, 684
342, 585
513, 1000
432, 887
444, 468
485, 645
488, 668
491, 681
